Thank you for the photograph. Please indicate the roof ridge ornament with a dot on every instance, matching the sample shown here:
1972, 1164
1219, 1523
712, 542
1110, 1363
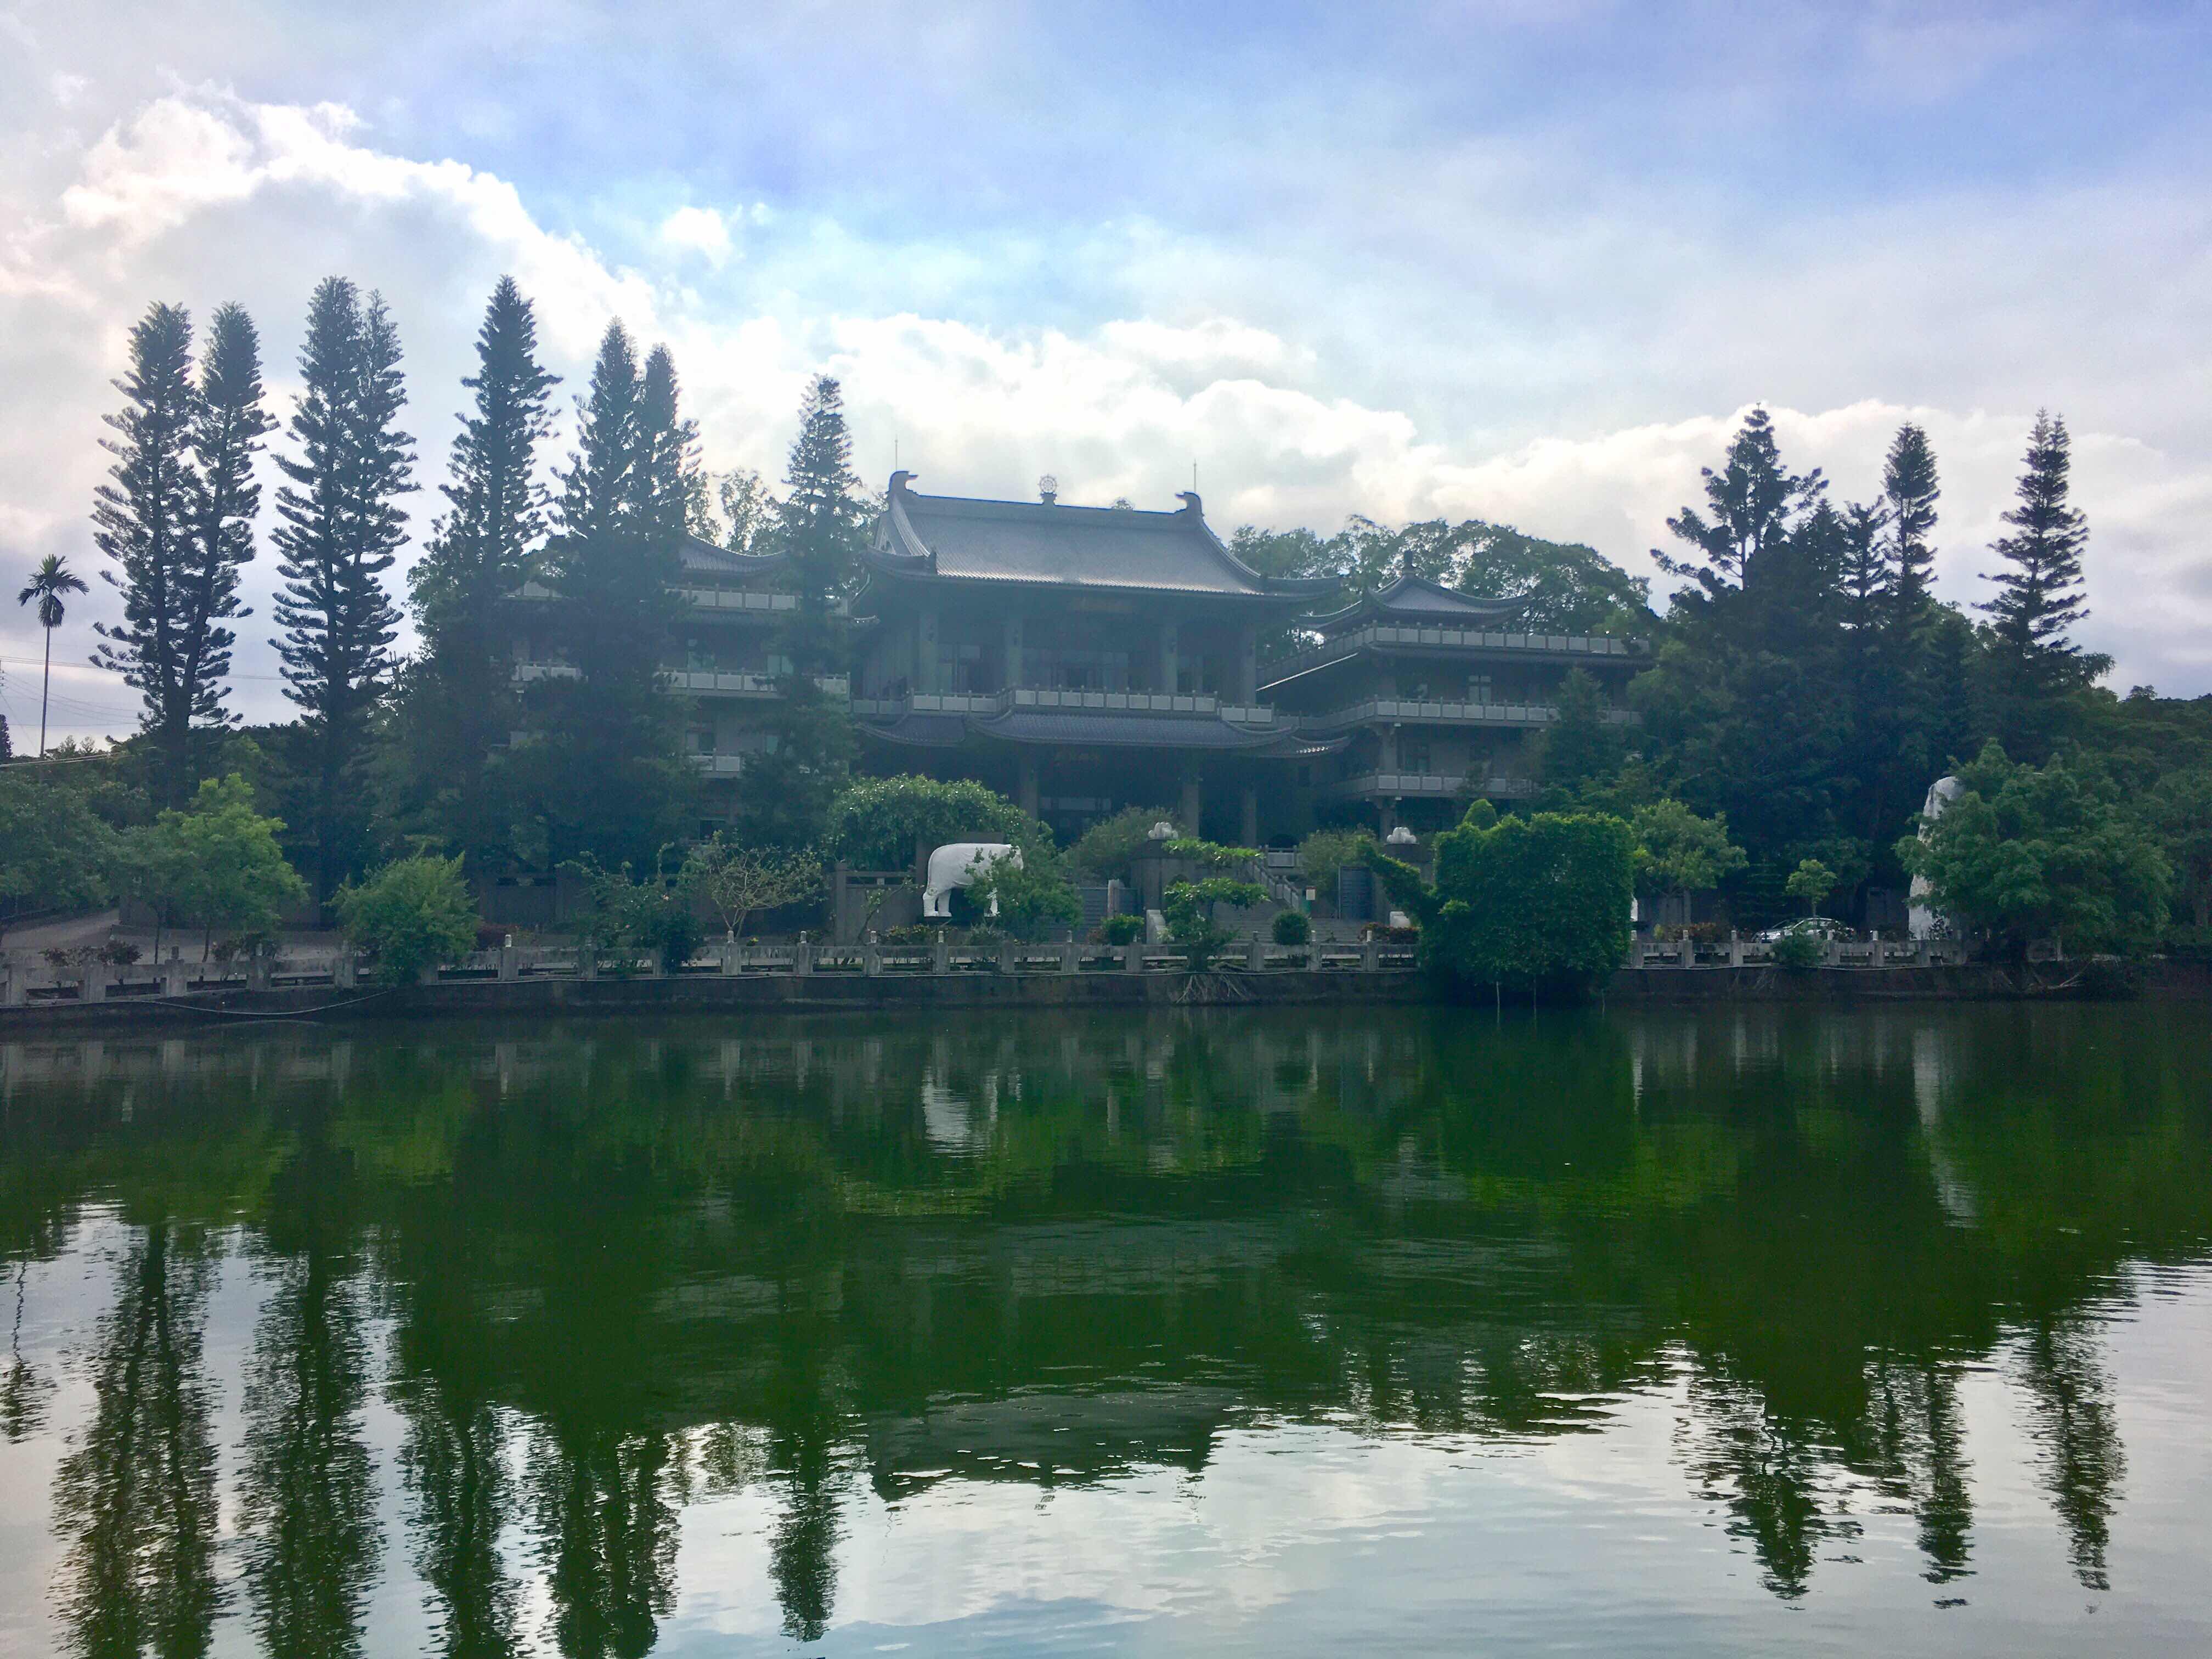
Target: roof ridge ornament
1191, 504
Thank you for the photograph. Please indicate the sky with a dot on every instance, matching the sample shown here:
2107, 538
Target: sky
1526, 262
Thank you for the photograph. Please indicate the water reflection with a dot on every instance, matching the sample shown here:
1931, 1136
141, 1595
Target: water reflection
600, 1276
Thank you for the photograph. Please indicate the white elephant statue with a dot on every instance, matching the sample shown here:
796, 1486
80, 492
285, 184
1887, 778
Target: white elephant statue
961, 864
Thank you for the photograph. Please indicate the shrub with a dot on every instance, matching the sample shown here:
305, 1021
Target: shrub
1187, 906
1293, 927
1119, 930
1800, 950
875, 824
411, 915
1107, 850
1326, 853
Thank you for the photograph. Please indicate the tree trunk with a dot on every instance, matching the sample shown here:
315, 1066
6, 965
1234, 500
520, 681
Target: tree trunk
45, 680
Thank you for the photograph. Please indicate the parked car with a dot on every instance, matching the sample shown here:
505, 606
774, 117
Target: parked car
1810, 928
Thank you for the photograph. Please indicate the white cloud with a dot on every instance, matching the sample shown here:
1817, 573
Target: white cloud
698, 230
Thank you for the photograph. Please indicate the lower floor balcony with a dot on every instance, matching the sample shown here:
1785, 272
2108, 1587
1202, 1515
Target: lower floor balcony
1401, 786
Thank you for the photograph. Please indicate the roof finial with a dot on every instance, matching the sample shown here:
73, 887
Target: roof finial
1049, 490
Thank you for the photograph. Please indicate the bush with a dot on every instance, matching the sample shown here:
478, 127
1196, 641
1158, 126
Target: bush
1119, 930
1800, 950
1293, 927
1107, 850
411, 915
1187, 906
1326, 853
912, 932
875, 824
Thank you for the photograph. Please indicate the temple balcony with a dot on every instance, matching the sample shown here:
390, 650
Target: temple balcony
698, 682
1398, 785
1041, 698
1557, 648
1426, 711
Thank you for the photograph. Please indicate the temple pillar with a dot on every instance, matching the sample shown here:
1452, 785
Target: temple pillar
1193, 801
1013, 652
925, 652
1249, 802
1027, 764
1248, 664
1171, 658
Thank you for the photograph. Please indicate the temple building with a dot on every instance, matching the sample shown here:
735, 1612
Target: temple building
1082, 659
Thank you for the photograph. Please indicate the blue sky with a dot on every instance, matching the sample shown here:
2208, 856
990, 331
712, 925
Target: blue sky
1524, 261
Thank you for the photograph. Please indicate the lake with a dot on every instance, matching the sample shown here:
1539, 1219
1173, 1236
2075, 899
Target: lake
1411, 1330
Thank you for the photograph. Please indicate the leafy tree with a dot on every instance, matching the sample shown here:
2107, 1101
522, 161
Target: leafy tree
49, 583
2032, 659
625, 915
1752, 507
52, 848
606, 770
342, 529
1676, 851
1812, 881
2026, 853
875, 824
2180, 811
1563, 587
215, 866
413, 914
1188, 907
1540, 901
458, 704
1032, 895
749, 512
740, 881
1107, 850
1327, 854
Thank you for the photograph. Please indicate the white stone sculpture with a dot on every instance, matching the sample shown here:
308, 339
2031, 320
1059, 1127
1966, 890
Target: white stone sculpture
961, 863
1922, 920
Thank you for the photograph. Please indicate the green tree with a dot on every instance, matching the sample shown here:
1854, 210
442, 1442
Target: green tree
1188, 909
413, 914
458, 705
626, 915
1580, 747
215, 866
53, 849
2180, 811
1910, 491
1539, 901
2026, 853
1327, 854
1676, 851
49, 583
877, 824
605, 768
341, 527
1032, 895
1107, 850
2033, 660
1812, 881
739, 882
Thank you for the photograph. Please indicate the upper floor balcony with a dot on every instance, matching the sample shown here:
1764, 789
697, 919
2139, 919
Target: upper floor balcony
1434, 785
745, 684
1200, 704
1571, 647
1429, 712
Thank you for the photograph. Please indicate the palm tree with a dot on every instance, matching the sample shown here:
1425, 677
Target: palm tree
52, 578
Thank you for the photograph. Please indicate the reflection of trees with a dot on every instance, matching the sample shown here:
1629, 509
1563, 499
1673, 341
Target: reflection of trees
603, 1508
137, 1500
455, 1469
307, 1483
2079, 1438
24, 1389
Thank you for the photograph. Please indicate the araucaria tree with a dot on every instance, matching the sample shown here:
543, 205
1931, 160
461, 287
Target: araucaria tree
2033, 660
785, 795
342, 526
608, 774
459, 701
176, 520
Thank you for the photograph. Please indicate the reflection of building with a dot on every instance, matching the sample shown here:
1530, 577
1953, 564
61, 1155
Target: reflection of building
1081, 660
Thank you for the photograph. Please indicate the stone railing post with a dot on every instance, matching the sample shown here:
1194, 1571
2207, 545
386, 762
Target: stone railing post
93, 988
508, 968
871, 958
1736, 949
940, 954
802, 959
11, 983
1369, 952
587, 959
345, 970
257, 973
1071, 958
176, 977
1255, 954
1133, 957
1008, 950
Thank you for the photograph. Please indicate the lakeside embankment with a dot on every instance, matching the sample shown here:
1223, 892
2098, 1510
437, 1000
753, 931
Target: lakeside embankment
1158, 986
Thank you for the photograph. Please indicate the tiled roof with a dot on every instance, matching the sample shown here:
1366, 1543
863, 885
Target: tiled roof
1414, 597
1043, 543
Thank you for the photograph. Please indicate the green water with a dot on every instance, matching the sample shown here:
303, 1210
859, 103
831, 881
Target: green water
1404, 1331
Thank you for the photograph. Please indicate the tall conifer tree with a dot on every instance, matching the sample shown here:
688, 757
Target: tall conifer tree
1910, 493
610, 779
2033, 660
458, 704
145, 519
784, 797
341, 528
